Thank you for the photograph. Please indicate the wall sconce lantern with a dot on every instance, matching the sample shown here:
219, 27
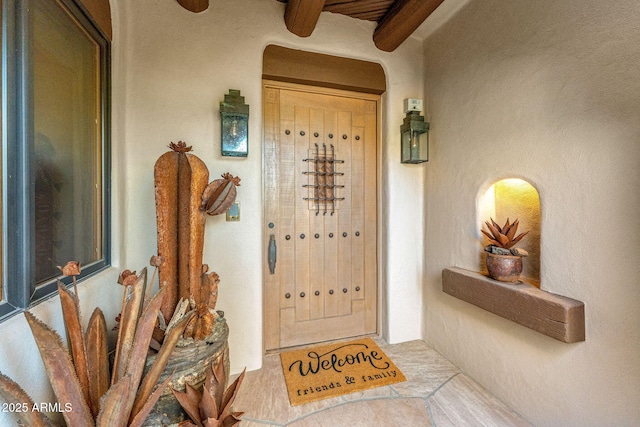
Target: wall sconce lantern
234, 115
415, 134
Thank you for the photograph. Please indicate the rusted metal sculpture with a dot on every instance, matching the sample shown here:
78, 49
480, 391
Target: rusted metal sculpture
180, 179
183, 197
213, 406
220, 194
125, 396
80, 375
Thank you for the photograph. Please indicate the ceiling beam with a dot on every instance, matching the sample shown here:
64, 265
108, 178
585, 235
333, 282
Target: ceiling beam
404, 17
195, 6
301, 16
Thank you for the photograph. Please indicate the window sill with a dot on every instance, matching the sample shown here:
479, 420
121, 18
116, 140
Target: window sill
553, 315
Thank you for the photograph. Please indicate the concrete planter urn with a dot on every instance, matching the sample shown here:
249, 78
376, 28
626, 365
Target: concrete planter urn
188, 363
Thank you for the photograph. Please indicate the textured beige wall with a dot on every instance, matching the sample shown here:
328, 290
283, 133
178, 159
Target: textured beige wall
546, 91
172, 69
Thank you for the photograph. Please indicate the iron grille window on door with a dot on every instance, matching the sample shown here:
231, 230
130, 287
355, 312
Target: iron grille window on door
323, 185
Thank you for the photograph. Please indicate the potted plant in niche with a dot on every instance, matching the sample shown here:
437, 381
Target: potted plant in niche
504, 262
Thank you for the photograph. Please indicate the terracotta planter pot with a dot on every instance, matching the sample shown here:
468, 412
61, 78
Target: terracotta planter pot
505, 268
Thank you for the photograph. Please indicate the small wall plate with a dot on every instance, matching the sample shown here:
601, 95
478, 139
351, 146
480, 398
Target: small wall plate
233, 213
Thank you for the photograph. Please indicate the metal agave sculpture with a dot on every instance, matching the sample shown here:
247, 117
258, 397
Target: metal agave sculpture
213, 406
80, 374
183, 198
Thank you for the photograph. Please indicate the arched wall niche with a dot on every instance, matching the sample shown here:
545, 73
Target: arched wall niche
515, 198
523, 302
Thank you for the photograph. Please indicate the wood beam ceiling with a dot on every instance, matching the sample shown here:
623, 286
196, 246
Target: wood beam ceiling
301, 16
404, 17
397, 19
371, 10
195, 6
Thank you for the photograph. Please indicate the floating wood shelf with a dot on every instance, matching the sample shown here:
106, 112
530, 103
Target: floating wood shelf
553, 315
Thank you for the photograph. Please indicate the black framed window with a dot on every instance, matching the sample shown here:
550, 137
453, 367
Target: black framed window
55, 147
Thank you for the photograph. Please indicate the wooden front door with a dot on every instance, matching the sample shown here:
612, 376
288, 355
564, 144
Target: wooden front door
320, 189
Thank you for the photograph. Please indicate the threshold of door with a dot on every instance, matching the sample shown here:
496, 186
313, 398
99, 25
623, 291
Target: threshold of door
297, 347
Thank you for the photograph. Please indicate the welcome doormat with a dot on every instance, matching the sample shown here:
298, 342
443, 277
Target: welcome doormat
335, 369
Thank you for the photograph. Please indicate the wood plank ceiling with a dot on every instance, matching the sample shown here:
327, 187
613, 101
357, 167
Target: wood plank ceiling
368, 10
396, 19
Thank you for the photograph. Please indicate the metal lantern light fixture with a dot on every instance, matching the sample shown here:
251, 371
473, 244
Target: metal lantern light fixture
234, 117
415, 134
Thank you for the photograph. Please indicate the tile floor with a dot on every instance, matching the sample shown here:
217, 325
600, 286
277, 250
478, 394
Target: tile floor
436, 393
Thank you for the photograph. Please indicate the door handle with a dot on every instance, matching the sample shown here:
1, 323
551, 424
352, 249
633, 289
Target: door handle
272, 252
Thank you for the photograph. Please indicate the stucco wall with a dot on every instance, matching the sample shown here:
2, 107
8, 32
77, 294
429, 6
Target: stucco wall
550, 92
171, 68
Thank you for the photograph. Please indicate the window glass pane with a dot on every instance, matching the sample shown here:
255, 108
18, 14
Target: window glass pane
67, 141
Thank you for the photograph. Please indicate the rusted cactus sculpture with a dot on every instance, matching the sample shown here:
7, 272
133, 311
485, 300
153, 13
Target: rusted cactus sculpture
183, 197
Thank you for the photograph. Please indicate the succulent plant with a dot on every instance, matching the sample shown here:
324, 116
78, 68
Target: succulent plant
505, 236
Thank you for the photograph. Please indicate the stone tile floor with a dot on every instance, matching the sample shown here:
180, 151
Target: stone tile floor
436, 393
